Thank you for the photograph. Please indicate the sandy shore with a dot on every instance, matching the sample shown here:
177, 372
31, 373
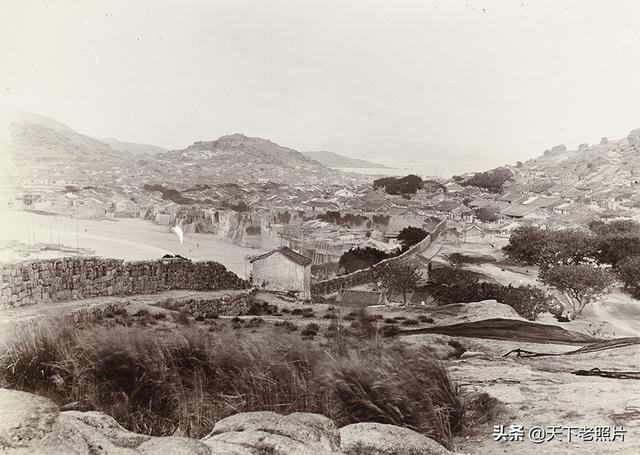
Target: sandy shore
129, 239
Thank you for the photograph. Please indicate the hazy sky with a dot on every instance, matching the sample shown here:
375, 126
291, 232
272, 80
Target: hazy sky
509, 78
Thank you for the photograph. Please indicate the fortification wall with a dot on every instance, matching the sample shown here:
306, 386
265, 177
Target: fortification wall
37, 281
367, 275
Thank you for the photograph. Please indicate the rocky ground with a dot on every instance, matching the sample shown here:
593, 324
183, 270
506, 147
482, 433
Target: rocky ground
31, 424
540, 391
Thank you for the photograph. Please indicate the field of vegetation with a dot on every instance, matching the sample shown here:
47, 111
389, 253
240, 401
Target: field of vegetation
176, 373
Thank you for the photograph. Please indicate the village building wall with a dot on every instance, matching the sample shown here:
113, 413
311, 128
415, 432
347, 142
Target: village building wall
278, 273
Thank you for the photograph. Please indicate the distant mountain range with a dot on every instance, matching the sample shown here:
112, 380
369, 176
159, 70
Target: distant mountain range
133, 148
43, 148
331, 159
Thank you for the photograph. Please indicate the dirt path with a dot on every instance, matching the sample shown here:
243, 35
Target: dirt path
624, 317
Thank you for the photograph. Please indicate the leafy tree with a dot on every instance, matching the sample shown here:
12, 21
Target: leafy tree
535, 246
361, 258
381, 219
404, 185
602, 228
240, 206
431, 186
283, 217
457, 259
410, 236
628, 272
492, 180
616, 240
382, 182
486, 215
526, 244
567, 246
330, 216
581, 284
455, 285
398, 277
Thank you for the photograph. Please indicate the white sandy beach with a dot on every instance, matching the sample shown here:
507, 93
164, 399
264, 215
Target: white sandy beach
129, 239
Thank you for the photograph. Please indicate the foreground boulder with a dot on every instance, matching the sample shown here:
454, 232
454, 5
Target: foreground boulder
313, 430
379, 439
30, 424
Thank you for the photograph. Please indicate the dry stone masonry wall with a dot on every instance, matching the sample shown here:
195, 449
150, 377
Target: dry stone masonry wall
76, 278
367, 275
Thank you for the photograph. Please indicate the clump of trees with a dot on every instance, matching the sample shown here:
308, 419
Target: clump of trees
455, 285
492, 180
486, 215
399, 185
396, 277
283, 217
239, 206
348, 219
381, 219
581, 284
410, 236
361, 258
582, 264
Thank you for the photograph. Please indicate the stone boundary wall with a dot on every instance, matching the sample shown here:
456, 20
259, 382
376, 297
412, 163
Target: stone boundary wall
367, 275
232, 303
60, 279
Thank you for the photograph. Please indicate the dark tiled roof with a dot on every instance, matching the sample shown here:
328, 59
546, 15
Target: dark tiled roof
286, 252
448, 206
360, 298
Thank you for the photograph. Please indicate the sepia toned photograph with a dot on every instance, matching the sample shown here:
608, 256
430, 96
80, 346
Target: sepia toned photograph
319, 227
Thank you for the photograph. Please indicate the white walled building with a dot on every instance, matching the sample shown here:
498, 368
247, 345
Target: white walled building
284, 270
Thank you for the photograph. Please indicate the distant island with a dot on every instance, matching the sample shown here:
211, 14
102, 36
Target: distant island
331, 159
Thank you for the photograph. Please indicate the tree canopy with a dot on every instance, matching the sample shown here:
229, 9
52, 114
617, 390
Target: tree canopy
492, 180
456, 285
399, 185
486, 215
361, 258
398, 277
411, 235
581, 284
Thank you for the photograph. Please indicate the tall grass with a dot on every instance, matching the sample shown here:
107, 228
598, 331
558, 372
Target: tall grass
187, 379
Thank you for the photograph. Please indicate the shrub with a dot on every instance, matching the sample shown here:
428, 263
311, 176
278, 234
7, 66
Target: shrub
460, 286
408, 388
389, 331
408, 322
311, 330
423, 318
153, 382
458, 348
288, 325
255, 322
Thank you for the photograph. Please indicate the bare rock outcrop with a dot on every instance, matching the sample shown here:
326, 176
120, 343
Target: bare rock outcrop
380, 439
30, 424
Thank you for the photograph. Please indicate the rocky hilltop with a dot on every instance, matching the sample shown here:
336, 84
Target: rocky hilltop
610, 162
240, 158
35, 425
